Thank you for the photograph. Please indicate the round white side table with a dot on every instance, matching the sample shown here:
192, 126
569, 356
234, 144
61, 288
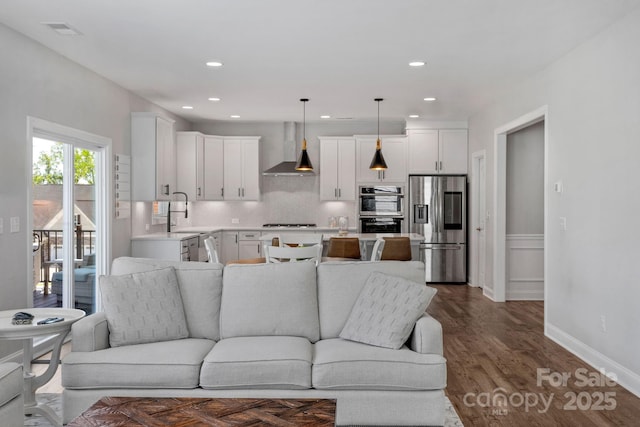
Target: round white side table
26, 333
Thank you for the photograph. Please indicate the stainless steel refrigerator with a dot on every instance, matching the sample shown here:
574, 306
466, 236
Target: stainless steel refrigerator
438, 211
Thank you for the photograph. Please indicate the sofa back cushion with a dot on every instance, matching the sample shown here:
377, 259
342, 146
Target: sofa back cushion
270, 300
200, 286
340, 283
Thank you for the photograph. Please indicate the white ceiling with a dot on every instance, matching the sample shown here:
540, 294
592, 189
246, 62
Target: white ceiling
339, 53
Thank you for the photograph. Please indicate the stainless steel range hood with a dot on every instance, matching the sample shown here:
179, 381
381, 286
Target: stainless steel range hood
288, 166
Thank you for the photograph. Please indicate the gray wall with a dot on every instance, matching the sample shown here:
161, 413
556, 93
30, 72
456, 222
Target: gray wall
593, 132
525, 180
34, 81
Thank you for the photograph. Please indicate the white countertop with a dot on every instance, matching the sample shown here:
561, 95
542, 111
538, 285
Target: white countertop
415, 238
166, 236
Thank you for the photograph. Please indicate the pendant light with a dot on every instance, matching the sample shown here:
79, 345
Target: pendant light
378, 163
304, 163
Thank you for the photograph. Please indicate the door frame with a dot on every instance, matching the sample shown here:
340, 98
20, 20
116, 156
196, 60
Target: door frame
477, 187
498, 293
37, 127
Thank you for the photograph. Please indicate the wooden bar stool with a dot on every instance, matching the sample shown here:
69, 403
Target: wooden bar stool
343, 249
397, 249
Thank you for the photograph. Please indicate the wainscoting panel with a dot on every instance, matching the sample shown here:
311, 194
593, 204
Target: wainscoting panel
525, 267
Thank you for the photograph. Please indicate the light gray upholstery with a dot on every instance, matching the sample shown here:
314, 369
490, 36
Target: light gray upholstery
386, 311
266, 351
143, 307
340, 283
200, 288
348, 365
170, 364
258, 362
269, 299
11, 399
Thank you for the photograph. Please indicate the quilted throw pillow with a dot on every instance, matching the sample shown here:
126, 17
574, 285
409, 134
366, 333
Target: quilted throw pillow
143, 307
386, 311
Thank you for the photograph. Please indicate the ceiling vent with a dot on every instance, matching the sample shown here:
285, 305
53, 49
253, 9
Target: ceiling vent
62, 28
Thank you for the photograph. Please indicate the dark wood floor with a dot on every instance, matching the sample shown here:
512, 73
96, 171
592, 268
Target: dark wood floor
496, 349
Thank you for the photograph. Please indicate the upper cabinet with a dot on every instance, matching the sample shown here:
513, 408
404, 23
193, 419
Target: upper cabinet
241, 168
153, 157
394, 150
437, 151
337, 171
200, 165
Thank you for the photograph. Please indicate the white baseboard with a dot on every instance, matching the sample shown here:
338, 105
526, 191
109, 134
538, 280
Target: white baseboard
525, 294
626, 378
488, 292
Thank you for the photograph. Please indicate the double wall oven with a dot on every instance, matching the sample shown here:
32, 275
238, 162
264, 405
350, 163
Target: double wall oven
381, 209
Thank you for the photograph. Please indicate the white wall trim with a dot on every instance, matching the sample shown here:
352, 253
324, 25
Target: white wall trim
626, 378
524, 272
500, 199
474, 274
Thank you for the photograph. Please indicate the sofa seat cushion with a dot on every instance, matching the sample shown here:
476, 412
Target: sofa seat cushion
258, 362
347, 365
11, 382
166, 364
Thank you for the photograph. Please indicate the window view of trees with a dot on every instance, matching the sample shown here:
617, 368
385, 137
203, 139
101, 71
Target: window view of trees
47, 168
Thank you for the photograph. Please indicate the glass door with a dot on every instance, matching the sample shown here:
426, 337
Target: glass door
69, 220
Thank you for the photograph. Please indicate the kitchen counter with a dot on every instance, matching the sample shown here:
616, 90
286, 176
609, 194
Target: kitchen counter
369, 237
166, 236
213, 229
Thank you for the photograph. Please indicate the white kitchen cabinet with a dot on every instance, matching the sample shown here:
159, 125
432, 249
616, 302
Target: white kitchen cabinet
394, 150
337, 171
437, 151
228, 246
200, 163
249, 244
241, 168
240, 245
153, 157
171, 249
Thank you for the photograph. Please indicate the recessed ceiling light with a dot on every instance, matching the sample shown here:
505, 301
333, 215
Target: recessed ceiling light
234, 116
187, 107
414, 116
325, 117
214, 99
214, 64
416, 63
430, 99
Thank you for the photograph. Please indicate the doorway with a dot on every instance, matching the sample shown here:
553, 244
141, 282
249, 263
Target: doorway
498, 292
479, 219
69, 215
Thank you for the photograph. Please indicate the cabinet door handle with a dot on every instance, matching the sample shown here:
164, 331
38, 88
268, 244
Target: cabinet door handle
238, 192
199, 191
339, 192
222, 192
242, 191
436, 166
440, 164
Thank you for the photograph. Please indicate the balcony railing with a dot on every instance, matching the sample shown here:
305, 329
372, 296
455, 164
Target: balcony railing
48, 251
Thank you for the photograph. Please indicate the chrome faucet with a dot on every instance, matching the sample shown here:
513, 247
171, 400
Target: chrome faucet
186, 210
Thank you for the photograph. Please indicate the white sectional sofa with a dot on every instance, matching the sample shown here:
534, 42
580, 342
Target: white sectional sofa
266, 330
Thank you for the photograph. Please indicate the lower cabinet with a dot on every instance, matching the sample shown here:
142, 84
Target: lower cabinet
166, 249
240, 245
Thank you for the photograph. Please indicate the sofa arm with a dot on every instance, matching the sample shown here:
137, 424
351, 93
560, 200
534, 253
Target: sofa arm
426, 336
90, 333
